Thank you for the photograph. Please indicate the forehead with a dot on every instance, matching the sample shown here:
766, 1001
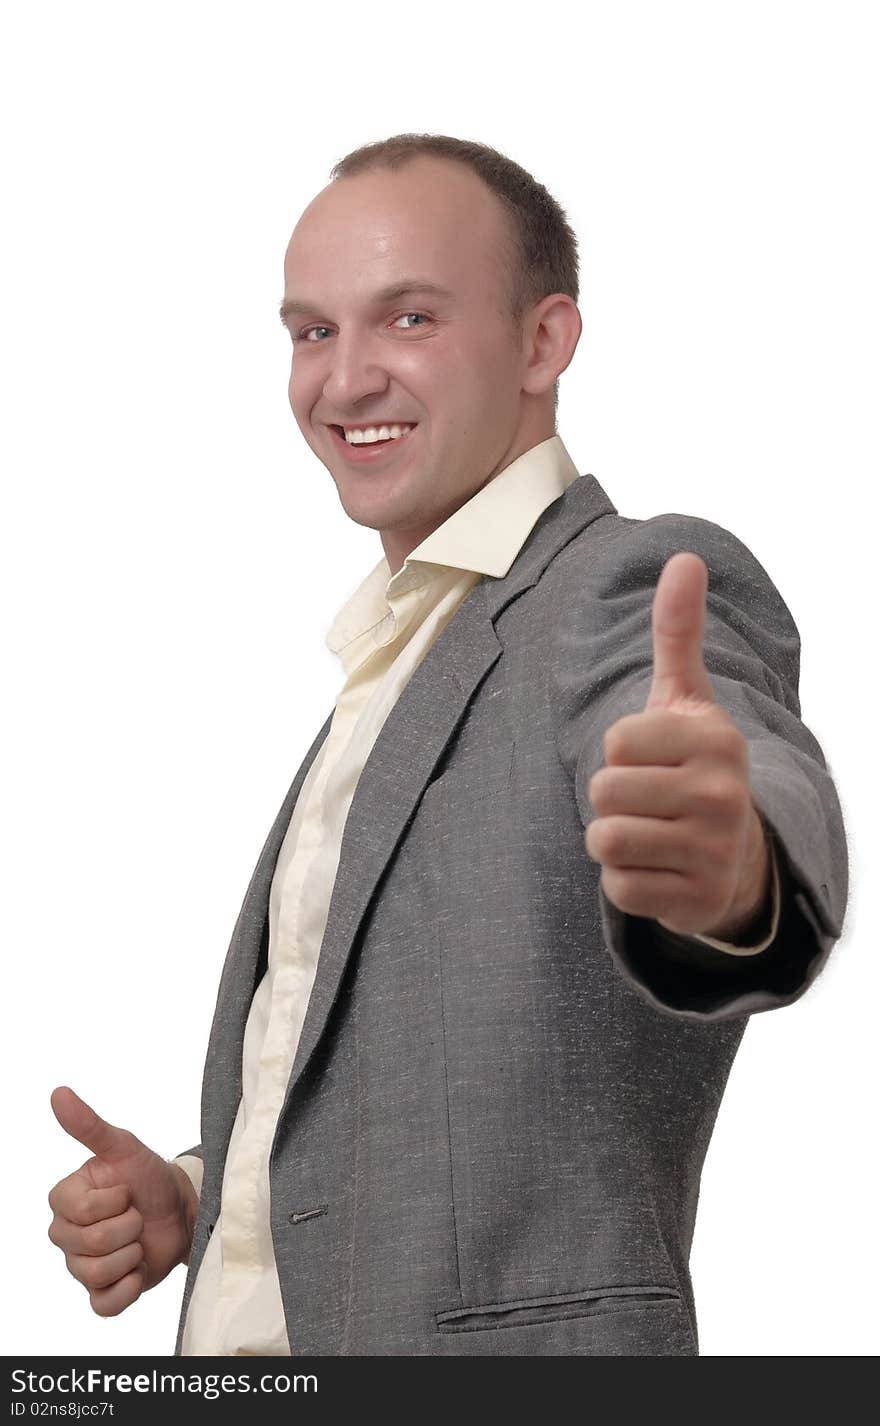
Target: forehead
430, 217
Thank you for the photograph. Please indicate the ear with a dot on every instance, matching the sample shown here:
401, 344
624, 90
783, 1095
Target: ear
552, 332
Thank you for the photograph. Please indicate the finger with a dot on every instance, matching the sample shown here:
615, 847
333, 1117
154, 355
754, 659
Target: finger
97, 1239
74, 1199
667, 736
110, 1301
678, 620
82, 1123
95, 1273
639, 843
640, 791
654, 894
667, 792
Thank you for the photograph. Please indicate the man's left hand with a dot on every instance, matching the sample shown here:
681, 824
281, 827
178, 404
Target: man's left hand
678, 835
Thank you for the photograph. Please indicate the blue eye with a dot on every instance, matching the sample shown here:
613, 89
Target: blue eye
304, 334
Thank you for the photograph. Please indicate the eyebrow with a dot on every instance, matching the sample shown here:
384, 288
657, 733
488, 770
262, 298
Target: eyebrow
296, 307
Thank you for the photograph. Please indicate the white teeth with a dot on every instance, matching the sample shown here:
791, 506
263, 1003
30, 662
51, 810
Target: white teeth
375, 433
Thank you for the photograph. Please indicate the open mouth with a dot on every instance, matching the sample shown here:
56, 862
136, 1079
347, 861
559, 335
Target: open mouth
374, 450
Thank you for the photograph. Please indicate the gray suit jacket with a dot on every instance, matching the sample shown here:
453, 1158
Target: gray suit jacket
494, 1129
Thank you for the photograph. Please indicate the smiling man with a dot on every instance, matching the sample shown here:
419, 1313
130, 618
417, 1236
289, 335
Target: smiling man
474, 384
561, 834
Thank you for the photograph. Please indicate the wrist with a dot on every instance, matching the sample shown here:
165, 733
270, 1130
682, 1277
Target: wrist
189, 1208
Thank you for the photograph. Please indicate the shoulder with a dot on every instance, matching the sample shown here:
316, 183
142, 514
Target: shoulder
617, 556
599, 592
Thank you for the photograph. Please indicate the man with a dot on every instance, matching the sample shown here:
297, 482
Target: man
562, 833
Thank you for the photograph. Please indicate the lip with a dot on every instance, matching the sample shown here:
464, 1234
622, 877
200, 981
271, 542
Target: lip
366, 455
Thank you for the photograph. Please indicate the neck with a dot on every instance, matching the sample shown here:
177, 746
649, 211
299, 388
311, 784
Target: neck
397, 544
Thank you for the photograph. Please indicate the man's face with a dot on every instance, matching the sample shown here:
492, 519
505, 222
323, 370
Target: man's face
454, 370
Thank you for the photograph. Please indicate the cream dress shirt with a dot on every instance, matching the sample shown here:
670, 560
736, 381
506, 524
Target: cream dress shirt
380, 635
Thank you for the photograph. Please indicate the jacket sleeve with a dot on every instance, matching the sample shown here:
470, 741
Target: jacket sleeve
600, 670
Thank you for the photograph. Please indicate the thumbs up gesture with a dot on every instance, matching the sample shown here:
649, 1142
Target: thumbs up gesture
678, 836
125, 1218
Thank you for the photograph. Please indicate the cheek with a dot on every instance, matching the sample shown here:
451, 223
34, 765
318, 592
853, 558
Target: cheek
472, 369
453, 401
302, 395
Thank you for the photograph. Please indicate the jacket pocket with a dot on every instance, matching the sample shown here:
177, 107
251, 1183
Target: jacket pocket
461, 777
585, 1303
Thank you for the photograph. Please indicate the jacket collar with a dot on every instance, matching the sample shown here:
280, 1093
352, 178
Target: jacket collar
483, 536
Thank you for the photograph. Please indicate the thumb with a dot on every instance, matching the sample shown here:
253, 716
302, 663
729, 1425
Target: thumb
678, 620
80, 1121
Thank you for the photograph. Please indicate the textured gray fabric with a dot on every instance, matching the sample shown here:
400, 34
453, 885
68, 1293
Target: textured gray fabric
502, 1097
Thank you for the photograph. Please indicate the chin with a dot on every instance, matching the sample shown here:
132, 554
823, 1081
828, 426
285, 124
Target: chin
368, 522
362, 512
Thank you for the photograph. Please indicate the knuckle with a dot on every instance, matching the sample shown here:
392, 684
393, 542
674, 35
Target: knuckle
77, 1209
92, 1213
52, 1233
121, 1204
720, 793
612, 743
91, 1274
60, 1198
96, 1238
617, 889
601, 784
109, 1302
730, 742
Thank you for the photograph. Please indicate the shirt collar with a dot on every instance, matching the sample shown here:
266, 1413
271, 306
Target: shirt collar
484, 535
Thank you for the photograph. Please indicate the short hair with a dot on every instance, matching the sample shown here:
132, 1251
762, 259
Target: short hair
542, 255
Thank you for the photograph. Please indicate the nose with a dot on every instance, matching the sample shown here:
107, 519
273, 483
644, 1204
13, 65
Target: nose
353, 372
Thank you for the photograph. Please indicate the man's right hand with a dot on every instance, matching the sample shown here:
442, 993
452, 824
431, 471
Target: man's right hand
126, 1217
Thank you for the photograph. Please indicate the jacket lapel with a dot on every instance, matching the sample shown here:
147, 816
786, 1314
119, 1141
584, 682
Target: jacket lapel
412, 739
406, 750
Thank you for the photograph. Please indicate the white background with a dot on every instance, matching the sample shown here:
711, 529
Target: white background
173, 553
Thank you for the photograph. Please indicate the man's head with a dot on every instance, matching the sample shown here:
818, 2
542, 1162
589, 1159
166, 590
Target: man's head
472, 368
